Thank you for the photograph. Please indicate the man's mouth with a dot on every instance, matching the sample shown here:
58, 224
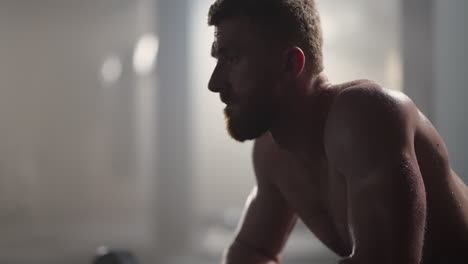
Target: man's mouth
225, 99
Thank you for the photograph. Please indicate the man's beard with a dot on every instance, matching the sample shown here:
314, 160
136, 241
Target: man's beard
251, 120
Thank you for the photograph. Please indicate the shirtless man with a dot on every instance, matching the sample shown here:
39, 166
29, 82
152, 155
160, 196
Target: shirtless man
362, 167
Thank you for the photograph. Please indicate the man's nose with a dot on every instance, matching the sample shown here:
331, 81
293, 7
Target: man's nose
216, 82
212, 86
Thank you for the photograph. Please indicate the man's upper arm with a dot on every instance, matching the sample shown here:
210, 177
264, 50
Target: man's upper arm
268, 219
369, 140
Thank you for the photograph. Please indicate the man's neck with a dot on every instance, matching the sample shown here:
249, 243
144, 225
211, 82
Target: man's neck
299, 125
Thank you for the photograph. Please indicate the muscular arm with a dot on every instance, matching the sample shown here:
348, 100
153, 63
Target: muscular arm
267, 220
369, 141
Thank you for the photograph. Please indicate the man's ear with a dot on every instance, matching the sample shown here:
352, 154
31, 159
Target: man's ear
293, 62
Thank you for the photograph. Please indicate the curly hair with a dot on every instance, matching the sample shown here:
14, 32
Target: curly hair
294, 22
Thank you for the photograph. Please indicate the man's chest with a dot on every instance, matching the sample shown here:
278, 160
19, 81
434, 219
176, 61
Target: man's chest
318, 195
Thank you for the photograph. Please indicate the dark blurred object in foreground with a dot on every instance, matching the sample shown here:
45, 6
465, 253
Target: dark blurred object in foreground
114, 256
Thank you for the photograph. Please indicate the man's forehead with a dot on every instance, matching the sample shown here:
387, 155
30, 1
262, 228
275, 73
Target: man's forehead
238, 34
232, 29
227, 36
222, 35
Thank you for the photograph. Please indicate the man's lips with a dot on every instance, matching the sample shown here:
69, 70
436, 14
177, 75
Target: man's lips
226, 99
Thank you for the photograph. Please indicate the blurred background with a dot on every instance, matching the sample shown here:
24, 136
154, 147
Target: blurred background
109, 135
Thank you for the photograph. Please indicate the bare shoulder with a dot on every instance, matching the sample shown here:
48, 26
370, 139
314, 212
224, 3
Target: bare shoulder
367, 119
367, 95
369, 105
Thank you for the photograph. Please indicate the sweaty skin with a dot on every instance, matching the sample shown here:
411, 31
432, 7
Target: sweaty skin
375, 208
361, 166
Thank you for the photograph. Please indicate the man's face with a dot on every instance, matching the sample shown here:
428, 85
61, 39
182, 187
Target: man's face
246, 77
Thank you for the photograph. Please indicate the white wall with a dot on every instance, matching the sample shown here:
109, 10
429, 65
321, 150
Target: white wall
68, 143
451, 79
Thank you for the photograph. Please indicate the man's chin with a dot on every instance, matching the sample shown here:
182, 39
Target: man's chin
238, 137
244, 134
248, 124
